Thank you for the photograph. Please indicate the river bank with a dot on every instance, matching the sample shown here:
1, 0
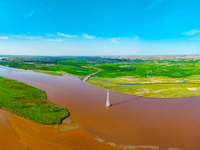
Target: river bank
132, 120
27, 135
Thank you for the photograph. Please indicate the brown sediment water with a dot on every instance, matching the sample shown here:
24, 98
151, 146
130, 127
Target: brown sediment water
132, 120
18, 133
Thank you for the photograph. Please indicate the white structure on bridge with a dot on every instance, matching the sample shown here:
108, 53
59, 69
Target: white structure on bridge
108, 100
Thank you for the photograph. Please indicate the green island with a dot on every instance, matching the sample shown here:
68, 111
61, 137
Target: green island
29, 102
153, 76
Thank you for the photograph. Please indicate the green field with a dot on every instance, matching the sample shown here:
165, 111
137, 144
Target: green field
55, 73
152, 90
29, 102
80, 69
170, 69
170, 74
147, 74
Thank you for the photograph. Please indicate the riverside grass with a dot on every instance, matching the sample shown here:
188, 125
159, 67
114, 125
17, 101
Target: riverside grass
131, 72
29, 102
49, 72
151, 90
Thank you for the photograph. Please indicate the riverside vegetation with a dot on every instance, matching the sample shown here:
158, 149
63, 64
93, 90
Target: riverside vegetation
159, 78
29, 102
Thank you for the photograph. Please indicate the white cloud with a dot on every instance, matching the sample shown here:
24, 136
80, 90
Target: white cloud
137, 38
196, 38
3, 38
86, 36
115, 40
19, 36
30, 13
154, 5
54, 40
46, 34
33, 37
192, 32
67, 35
26, 36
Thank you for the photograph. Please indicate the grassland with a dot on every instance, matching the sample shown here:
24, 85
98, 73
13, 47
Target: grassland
123, 71
147, 74
49, 72
146, 70
78, 69
151, 90
29, 102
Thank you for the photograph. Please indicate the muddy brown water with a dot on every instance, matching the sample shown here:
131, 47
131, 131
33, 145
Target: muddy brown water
132, 120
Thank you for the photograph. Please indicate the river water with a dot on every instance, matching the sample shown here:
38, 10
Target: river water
132, 120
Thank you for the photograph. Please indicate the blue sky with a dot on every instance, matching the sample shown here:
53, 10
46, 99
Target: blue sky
99, 27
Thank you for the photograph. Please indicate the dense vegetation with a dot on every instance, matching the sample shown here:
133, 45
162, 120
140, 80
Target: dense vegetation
53, 65
152, 90
175, 78
171, 69
29, 102
113, 70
